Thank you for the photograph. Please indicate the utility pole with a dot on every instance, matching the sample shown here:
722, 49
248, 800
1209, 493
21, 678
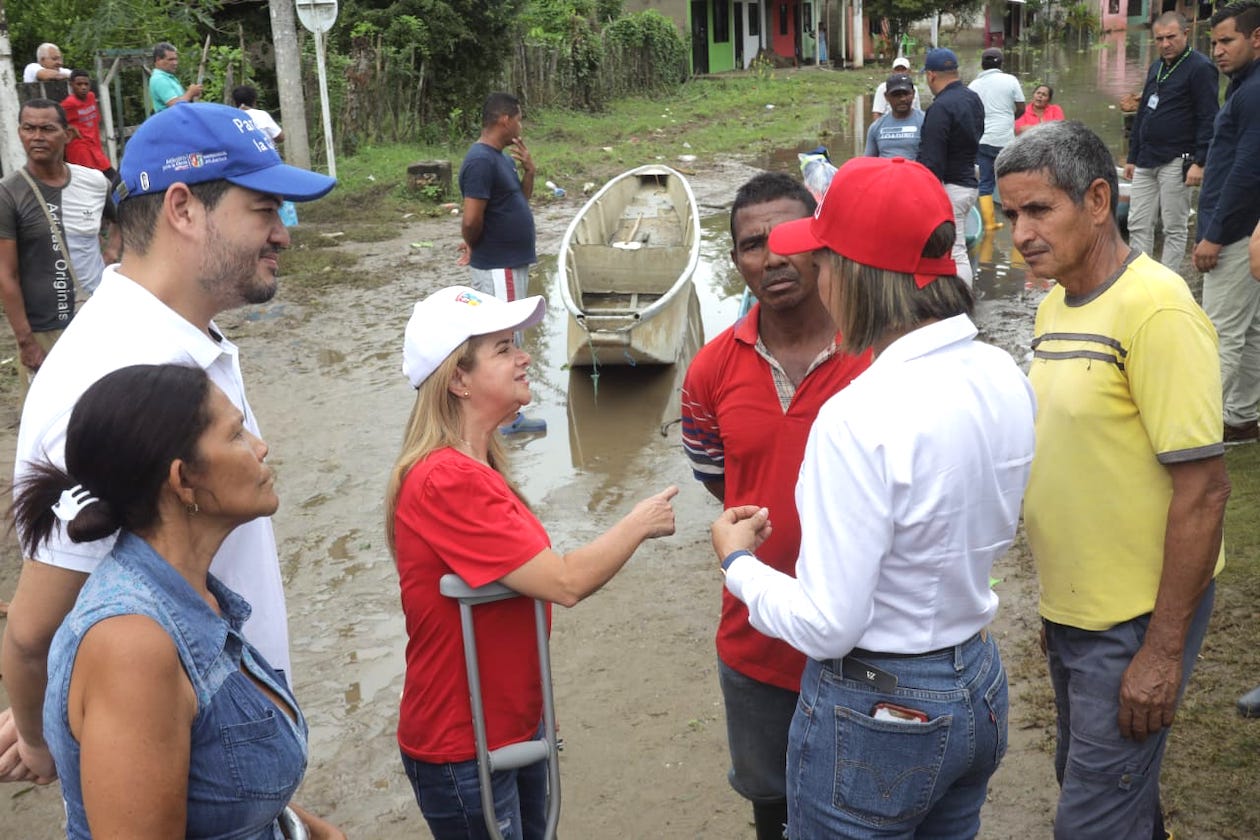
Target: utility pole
297, 146
859, 35
12, 156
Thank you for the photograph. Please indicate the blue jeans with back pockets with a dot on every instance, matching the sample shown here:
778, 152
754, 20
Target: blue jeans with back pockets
853, 776
449, 796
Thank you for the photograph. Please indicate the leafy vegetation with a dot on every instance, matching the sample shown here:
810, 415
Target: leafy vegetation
80, 27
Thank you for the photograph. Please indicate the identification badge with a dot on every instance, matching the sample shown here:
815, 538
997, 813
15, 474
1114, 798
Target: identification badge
855, 669
1153, 102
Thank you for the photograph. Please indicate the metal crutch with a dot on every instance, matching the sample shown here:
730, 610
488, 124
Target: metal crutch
512, 756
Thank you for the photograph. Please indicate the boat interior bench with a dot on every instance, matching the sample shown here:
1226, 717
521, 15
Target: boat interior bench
614, 279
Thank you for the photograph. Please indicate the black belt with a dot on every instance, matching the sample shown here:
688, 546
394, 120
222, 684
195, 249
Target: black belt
852, 666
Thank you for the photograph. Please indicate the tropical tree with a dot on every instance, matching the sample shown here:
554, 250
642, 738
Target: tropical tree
900, 14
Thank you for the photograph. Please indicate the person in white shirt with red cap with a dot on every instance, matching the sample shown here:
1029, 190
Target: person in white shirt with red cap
910, 489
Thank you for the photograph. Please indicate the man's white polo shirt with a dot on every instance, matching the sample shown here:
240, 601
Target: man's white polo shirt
123, 324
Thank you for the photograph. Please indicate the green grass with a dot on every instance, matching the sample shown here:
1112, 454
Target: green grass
1212, 771
706, 117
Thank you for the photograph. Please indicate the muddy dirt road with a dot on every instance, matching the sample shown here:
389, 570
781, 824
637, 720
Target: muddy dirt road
636, 683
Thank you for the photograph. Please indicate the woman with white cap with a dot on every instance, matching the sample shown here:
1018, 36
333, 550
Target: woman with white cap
449, 508
910, 489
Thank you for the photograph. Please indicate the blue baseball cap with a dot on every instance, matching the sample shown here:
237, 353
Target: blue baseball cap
941, 59
196, 142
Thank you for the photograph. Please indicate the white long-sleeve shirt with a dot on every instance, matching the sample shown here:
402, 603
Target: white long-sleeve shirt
910, 489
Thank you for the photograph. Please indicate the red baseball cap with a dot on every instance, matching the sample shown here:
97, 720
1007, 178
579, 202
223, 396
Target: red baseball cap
878, 212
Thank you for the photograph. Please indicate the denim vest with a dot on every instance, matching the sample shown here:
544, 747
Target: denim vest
247, 756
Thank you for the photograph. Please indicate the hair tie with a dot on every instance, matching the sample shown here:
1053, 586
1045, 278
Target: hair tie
72, 501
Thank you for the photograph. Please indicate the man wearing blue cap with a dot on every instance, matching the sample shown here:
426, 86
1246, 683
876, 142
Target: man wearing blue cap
949, 142
197, 204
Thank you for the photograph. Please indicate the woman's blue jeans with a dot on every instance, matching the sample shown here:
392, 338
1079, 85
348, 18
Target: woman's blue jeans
450, 799
852, 776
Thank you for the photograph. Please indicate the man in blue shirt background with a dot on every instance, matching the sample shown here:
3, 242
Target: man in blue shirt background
498, 226
950, 140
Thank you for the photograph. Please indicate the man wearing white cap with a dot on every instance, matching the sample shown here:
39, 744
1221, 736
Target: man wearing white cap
879, 106
197, 204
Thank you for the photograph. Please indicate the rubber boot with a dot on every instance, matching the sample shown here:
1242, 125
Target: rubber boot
987, 214
984, 251
770, 821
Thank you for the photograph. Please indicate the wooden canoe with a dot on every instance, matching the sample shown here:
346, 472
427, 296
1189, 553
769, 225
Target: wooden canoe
625, 269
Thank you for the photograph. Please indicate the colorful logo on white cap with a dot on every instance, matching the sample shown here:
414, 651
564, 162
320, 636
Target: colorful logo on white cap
468, 298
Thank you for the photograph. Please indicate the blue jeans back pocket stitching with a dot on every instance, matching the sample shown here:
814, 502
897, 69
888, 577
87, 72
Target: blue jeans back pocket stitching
866, 786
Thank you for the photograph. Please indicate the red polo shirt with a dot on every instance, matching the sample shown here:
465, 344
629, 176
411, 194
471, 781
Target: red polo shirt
735, 429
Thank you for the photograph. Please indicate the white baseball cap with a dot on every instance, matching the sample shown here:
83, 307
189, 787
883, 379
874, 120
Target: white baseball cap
449, 317
901, 62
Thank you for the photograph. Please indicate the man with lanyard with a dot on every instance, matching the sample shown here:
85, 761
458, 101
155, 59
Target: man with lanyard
772, 370
1229, 208
950, 142
1169, 141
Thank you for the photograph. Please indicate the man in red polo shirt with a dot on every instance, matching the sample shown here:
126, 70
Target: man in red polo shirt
84, 118
748, 401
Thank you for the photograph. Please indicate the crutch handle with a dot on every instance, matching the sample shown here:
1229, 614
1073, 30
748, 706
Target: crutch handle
453, 586
515, 756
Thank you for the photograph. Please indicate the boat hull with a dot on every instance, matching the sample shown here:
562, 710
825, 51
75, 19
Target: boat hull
625, 270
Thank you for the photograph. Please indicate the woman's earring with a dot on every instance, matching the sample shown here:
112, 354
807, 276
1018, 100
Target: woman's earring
465, 393
192, 508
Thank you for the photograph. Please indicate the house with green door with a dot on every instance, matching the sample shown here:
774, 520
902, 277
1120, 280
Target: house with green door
729, 34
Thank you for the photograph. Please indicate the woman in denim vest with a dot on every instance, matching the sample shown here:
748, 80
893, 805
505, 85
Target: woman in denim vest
162, 718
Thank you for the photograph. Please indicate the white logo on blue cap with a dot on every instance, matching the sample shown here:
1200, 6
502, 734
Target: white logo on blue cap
144, 181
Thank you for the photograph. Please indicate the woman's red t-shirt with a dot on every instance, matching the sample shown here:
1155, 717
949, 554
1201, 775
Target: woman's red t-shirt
457, 515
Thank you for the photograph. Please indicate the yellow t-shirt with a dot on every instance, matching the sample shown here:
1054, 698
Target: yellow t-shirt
1127, 380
